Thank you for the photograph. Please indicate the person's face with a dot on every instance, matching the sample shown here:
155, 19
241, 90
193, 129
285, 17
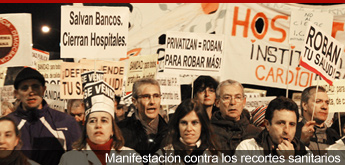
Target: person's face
148, 101
282, 126
30, 93
8, 138
78, 113
321, 107
207, 97
99, 127
190, 128
231, 102
119, 112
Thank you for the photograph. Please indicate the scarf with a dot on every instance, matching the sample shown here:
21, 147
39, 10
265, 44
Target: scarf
100, 149
265, 141
196, 150
15, 158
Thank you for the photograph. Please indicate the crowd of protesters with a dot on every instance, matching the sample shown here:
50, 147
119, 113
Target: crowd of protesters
214, 121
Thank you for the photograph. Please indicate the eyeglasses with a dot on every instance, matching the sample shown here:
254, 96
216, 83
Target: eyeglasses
227, 98
146, 97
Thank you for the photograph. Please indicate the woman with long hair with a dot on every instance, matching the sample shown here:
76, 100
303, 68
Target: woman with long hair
100, 137
189, 132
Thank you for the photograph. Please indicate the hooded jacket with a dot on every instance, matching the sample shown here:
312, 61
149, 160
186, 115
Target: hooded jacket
230, 133
46, 133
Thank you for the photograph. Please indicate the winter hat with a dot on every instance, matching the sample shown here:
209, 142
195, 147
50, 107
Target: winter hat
258, 116
28, 73
99, 97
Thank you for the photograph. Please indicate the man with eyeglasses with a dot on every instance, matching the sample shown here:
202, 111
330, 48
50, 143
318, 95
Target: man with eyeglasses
230, 123
312, 130
145, 129
46, 133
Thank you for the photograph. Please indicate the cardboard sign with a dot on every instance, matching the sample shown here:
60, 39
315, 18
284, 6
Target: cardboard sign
195, 53
299, 22
99, 96
140, 67
254, 102
15, 40
336, 94
39, 55
321, 53
50, 70
7, 93
71, 86
170, 89
94, 32
52, 96
91, 76
3, 71
113, 72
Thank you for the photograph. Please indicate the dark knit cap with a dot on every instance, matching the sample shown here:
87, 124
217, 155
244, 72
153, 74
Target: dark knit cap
28, 73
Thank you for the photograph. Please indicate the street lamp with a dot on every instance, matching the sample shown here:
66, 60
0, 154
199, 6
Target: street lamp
45, 29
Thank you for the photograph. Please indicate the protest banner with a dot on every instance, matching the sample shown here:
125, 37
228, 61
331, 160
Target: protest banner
7, 93
3, 71
336, 95
259, 92
194, 53
99, 95
255, 102
52, 96
91, 76
94, 32
256, 50
71, 87
299, 22
170, 89
50, 70
15, 40
140, 67
39, 55
113, 72
321, 53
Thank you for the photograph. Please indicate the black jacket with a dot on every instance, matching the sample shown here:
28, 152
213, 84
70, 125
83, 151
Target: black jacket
136, 138
230, 133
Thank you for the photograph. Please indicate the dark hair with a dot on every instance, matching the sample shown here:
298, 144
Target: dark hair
117, 99
21, 158
307, 92
280, 103
202, 82
207, 137
16, 130
118, 140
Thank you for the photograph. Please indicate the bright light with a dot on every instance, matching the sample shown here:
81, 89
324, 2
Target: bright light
45, 29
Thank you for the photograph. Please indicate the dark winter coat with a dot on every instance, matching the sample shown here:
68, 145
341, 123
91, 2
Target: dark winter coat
136, 138
231, 133
46, 133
